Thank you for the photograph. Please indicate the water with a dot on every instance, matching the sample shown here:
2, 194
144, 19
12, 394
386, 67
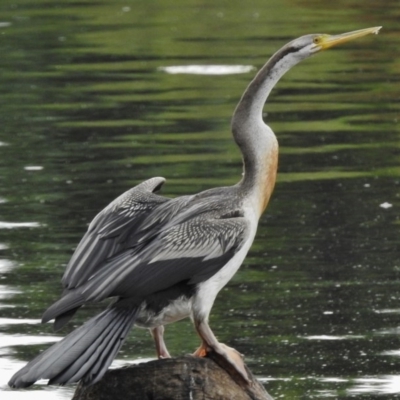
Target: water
90, 107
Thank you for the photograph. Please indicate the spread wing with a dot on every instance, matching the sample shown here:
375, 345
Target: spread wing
108, 230
190, 252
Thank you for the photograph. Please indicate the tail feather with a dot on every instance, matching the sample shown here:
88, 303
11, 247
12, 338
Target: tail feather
105, 358
66, 305
85, 354
90, 360
84, 361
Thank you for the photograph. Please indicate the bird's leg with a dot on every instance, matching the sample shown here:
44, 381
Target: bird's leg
158, 336
210, 343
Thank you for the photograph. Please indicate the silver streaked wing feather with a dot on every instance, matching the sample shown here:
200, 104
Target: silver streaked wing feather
107, 230
192, 251
198, 239
176, 212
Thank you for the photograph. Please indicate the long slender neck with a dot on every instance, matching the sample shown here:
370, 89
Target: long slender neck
255, 139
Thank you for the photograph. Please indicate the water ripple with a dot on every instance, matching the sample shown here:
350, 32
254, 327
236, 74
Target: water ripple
26, 340
13, 225
7, 292
385, 384
330, 337
207, 69
33, 168
6, 265
14, 321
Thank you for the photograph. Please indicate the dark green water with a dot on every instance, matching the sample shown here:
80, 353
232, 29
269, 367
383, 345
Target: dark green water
87, 110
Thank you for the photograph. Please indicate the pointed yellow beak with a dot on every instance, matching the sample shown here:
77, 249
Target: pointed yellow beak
324, 42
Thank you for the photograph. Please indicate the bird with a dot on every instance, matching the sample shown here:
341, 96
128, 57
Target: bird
164, 259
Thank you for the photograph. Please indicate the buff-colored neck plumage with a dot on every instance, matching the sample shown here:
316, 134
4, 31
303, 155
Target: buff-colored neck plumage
256, 140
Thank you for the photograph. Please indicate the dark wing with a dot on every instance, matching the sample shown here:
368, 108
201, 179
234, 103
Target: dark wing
176, 212
106, 233
190, 252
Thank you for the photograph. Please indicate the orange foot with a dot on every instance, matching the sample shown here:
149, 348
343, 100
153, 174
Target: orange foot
228, 357
202, 351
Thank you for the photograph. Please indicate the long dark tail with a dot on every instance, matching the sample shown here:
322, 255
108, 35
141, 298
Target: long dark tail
85, 354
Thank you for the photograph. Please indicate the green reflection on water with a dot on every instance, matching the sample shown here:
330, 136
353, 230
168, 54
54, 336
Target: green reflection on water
83, 97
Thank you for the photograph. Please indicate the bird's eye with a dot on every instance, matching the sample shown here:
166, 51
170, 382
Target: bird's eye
317, 40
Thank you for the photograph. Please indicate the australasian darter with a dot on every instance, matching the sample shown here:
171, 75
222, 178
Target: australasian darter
166, 259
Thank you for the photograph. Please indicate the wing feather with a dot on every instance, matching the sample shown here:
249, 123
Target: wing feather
143, 243
191, 251
106, 233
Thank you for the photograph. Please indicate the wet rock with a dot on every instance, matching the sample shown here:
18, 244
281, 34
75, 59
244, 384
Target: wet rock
182, 378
